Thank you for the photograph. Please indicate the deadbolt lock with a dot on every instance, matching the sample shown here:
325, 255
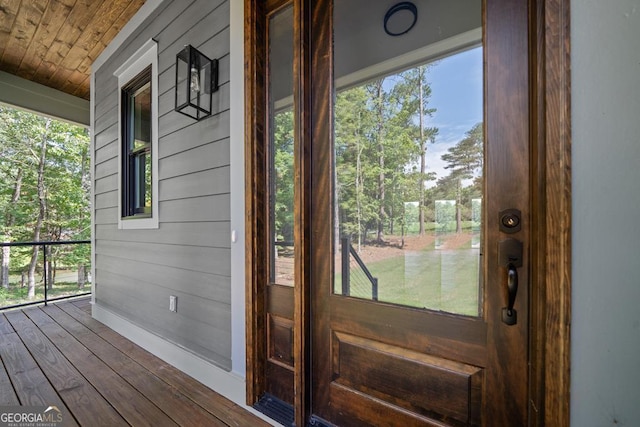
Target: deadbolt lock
510, 221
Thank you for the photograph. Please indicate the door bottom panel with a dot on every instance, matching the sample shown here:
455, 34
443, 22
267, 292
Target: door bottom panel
428, 385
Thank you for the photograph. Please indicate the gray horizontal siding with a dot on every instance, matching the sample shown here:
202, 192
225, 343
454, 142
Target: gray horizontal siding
144, 307
106, 152
106, 200
208, 286
210, 130
209, 208
214, 234
189, 255
106, 168
106, 136
185, 186
213, 154
106, 184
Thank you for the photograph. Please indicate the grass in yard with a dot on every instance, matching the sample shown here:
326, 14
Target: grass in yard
436, 279
18, 295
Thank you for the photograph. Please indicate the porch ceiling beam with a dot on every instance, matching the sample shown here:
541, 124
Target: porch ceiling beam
44, 100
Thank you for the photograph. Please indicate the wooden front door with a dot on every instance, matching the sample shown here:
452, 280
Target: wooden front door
410, 272
396, 259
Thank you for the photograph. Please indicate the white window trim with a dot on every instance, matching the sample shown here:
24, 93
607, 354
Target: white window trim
145, 56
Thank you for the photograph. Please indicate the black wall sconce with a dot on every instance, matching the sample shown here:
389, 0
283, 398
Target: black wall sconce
196, 80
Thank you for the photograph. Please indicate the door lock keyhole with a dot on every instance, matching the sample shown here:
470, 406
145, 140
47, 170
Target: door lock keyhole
510, 221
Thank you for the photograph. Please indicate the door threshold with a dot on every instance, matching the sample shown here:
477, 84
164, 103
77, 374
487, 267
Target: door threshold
276, 409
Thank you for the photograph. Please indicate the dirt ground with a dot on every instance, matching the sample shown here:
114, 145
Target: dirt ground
369, 252
393, 245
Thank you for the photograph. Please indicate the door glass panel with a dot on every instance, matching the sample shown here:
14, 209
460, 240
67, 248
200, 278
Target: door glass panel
408, 144
280, 150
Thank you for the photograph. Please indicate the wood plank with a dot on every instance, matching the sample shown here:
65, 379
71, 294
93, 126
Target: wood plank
5, 326
179, 408
131, 9
79, 18
132, 405
83, 304
8, 15
31, 385
80, 396
97, 24
551, 366
22, 32
196, 391
45, 34
8, 396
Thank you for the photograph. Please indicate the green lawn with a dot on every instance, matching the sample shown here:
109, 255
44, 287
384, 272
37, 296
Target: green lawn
18, 295
445, 280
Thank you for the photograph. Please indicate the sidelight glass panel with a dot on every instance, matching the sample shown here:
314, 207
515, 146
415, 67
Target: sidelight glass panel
280, 150
409, 148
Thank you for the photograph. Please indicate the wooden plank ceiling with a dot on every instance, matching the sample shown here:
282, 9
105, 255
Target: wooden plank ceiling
54, 42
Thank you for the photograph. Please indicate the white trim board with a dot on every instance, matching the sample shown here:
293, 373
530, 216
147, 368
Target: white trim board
236, 64
31, 96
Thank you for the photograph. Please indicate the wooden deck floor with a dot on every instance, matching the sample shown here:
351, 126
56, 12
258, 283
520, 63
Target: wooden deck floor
60, 356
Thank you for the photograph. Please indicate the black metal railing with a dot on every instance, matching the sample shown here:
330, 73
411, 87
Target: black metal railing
44, 245
349, 251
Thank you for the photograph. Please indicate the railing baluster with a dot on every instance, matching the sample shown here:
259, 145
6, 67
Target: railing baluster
346, 268
347, 250
44, 271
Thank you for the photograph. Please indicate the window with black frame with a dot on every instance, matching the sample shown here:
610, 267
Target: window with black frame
137, 153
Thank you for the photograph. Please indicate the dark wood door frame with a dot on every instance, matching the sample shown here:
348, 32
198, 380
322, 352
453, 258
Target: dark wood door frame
550, 297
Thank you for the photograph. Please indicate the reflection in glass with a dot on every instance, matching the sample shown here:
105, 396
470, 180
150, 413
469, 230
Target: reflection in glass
281, 138
142, 116
408, 184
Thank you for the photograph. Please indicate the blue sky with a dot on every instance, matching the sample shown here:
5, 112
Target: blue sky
456, 93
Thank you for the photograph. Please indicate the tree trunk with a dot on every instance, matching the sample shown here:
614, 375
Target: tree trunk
6, 257
82, 276
423, 153
459, 206
50, 268
359, 186
8, 224
381, 176
41, 212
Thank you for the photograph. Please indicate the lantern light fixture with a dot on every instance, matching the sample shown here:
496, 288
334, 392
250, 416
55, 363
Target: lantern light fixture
196, 80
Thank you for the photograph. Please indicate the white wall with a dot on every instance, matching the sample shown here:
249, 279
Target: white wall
605, 365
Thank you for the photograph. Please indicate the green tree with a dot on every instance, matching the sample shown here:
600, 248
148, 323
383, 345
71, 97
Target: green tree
44, 193
380, 137
418, 92
464, 160
354, 169
282, 175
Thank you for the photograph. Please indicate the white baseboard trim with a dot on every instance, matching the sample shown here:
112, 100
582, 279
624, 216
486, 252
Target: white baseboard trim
227, 384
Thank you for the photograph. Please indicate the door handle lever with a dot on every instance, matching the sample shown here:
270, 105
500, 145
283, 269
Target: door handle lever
509, 314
